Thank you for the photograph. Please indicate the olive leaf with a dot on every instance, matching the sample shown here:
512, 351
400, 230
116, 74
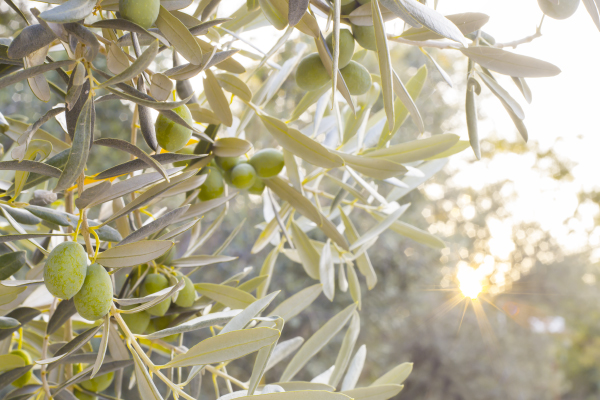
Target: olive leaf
216, 98
126, 25
139, 65
378, 168
11, 263
343, 357
466, 22
231, 147
502, 94
17, 76
327, 272
80, 148
154, 226
306, 251
30, 39
205, 321
10, 376
296, 11
135, 151
235, 85
72, 346
362, 261
136, 165
379, 392
84, 35
63, 312
507, 63
179, 36
36, 167
354, 369
70, 11
230, 296
26, 236
396, 375
131, 254
316, 342
229, 346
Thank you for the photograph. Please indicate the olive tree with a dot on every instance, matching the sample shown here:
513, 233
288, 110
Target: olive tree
86, 298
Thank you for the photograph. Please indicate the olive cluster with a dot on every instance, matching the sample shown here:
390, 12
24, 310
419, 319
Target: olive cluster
156, 318
312, 74
67, 275
241, 173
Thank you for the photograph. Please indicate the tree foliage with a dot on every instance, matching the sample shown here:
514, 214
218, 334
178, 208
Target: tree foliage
129, 268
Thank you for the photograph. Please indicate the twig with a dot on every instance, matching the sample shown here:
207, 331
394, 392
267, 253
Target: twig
45, 384
527, 39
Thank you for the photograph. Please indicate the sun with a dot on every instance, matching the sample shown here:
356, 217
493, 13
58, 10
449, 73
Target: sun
469, 282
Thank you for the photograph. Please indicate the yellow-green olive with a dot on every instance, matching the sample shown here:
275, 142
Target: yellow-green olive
187, 295
137, 322
558, 9
98, 383
158, 324
257, 188
213, 187
346, 46
170, 135
65, 270
142, 12
23, 379
311, 73
187, 151
243, 176
83, 396
267, 162
94, 299
227, 163
154, 283
365, 36
357, 78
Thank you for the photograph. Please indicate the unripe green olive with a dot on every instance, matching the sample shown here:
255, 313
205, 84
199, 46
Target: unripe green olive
138, 322
83, 396
348, 8
94, 299
227, 163
142, 12
23, 379
365, 36
243, 176
65, 270
187, 295
170, 135
257, 188
163, 323
346, 46
363, 1
213, 187
166, 258
311, 73
187, 151
98, 383
561, 9
267, 162
357, 78
154, 283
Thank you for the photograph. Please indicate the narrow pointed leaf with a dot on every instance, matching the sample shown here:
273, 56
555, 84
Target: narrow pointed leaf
385, 63
70, 11
316, 342
228, 346
179, 36
379, 392
131, 254
507, 63
230, 296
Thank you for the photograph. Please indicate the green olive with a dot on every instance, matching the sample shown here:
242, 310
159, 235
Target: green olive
138, 322
357, 78
227, 163
142, 12
348, 8
158, 324
187, 295
98, 383
267, 162
363, 1
243, 176
365, 36
258, 187
346, 46
152, 284
22, 381
94, 299
561, 9
213, 187
187, 151
170, 135
83, 396
65, 270
311, 73
166, 258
